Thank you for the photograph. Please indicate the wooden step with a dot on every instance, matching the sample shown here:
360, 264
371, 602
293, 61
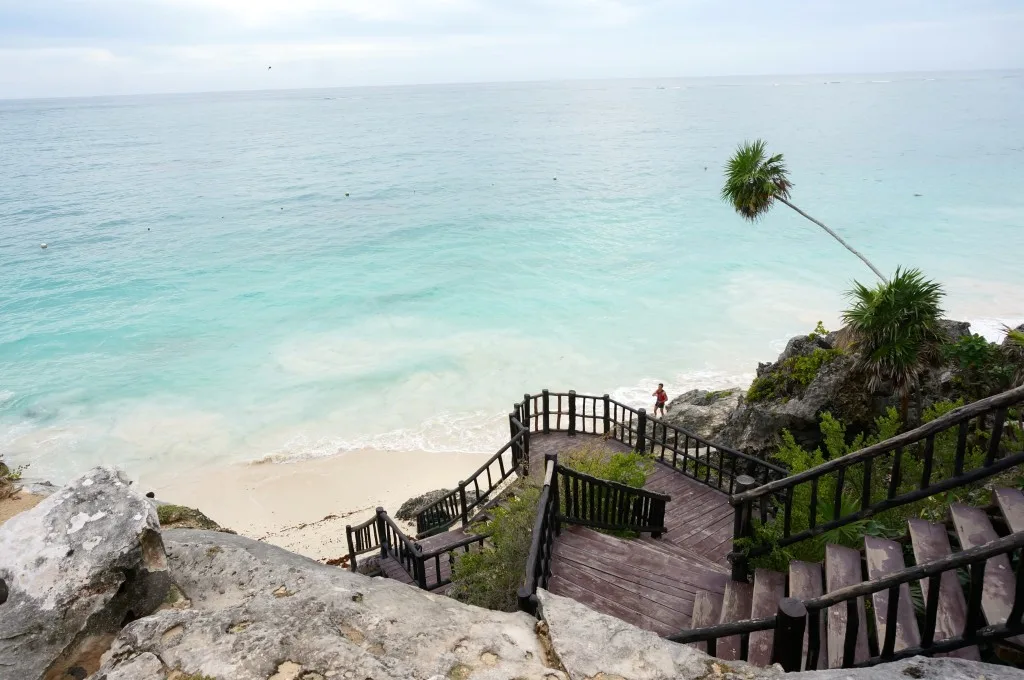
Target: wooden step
769, 588
974, 529
842, 568
931, 542
707, 611
674, 550
1011, 504
886, 557
805, 583
735, 607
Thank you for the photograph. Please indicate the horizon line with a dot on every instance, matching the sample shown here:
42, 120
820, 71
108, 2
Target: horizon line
178, 93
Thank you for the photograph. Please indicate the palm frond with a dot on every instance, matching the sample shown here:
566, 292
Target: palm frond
753, 180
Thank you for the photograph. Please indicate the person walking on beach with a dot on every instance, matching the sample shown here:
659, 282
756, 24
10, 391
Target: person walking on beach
661, 397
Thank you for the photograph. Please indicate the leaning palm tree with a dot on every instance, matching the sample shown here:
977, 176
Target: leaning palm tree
754, 181
896, 330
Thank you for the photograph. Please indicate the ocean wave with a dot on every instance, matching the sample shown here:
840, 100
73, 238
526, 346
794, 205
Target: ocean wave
993, 329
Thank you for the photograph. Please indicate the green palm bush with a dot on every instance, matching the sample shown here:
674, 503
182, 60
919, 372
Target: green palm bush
754, 181
896, 330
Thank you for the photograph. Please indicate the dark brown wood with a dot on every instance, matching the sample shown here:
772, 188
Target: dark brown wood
1011, 505
997, 434
787, 638
951, 419
735, 607
927, 460
707, 611
896, 473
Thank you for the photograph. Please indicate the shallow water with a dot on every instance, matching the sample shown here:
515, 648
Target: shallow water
292, 274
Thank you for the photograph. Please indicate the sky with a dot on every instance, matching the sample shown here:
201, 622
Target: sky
100, 47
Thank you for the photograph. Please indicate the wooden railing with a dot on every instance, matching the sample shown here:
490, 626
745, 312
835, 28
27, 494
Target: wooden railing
362, 538
706, 462
545, 528
395, 544
431, 561
602, 504
979, 454
476, 491
794, 617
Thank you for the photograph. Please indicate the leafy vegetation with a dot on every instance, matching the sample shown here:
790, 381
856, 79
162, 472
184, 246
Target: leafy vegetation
896, 325
791, 377
8, 477
754, 181
891, 523
491, 577
819, 332
982, 368
630, 469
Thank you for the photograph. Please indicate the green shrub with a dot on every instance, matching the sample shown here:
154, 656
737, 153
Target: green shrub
491, 577
791, 377
891, 523
982, 368
819, 332
630, 469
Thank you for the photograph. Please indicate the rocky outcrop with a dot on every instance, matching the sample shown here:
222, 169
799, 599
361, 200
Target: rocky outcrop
258, 612
73, 570
702, 412
243, 610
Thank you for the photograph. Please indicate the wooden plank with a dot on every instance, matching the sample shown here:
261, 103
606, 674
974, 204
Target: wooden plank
393, 569
885, 557
930, 542
1011, 504
842, 568
735, 607
672, 549
769, 588
707, 611
805, 583
974, 529
565, 588
659, 584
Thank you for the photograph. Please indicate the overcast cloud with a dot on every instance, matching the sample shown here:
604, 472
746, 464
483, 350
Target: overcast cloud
84, 47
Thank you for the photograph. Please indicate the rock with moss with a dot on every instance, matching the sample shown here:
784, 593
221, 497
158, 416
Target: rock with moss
412, 507
182, 517
703, 412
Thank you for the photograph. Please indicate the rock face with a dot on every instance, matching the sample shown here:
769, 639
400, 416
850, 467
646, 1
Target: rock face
703, 413
260, 612
74, 569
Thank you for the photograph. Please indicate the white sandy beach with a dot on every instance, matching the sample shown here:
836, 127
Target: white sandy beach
304, 506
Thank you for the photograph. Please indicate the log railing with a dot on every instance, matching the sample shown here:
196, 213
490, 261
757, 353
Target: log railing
545, 528
973, 432
602, 504
431, 561
794, 617
395, 544
362, 538
476, 491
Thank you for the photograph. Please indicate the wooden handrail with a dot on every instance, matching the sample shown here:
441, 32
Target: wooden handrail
954, 417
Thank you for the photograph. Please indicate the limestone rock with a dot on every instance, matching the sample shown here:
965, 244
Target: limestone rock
592, 645
702, 412
260, 612
75, 567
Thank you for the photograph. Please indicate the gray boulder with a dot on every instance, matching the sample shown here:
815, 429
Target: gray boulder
702, 412
591, 645
258, 612
73, 570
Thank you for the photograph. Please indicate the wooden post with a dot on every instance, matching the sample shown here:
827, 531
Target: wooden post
572, 413
545, 400
641, 431
382, 532
351, 548
607, 414
788, 643
464, 504
741, 528
517, 446
553, 457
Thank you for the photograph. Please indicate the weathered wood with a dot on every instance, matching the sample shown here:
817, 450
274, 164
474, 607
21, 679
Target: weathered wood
735, 607
884, 558
931, 542
1011, 504
787, 638
769, 589
974, 530
707, 611
805, 583
842, 569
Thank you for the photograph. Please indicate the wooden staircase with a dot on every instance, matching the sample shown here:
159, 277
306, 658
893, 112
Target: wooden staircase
844, 567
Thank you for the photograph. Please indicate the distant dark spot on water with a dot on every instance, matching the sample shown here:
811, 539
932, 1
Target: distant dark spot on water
917, 194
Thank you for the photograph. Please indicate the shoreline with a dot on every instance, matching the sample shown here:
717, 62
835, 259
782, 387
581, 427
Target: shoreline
304, 506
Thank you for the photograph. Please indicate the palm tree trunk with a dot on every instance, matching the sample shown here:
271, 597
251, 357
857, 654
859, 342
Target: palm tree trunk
836, 237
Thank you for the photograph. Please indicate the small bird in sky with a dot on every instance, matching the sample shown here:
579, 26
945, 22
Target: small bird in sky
269, 67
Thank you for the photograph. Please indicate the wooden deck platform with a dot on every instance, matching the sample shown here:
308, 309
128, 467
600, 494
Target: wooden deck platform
649, 582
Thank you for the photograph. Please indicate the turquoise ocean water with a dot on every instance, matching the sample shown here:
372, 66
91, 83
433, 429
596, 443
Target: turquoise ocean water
292, 274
